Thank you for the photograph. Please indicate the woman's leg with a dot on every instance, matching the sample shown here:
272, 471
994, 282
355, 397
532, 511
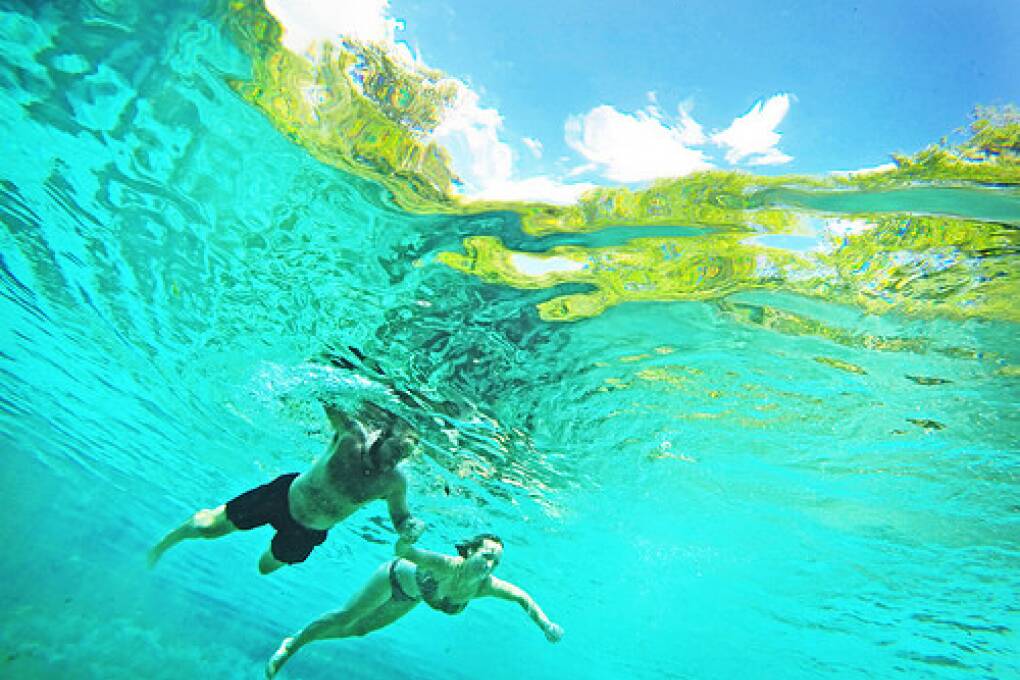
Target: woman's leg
381, 617
203, 524
340, 623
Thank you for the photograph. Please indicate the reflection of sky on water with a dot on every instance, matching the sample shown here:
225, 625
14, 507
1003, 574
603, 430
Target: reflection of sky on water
792, 242
539, 266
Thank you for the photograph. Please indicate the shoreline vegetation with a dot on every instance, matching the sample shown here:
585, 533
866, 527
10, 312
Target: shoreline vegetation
358, 108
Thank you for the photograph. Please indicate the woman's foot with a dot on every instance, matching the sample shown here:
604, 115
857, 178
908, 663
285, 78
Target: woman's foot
156, 552
279, 658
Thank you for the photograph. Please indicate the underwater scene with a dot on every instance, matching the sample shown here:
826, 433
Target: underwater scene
733, 422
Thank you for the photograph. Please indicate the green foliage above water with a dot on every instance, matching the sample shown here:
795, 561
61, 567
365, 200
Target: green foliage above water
995, 134
358, 108
353, 107
989, 155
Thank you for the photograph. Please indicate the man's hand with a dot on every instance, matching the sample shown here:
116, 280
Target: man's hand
412, 530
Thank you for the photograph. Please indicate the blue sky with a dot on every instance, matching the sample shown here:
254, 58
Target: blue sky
565, 93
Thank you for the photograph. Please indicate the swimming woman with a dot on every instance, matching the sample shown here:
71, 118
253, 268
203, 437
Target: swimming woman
444, 582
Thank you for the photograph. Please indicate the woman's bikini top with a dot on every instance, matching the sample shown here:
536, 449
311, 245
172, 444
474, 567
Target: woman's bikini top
429, 588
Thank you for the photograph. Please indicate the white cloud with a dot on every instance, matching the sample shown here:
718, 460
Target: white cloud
690, 131
485, 163
582, 169
884, 167
544, 189
638, 147
306, 22
471, 134
533, 145
752, 138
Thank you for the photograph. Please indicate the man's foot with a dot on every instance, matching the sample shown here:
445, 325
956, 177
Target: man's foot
279, 658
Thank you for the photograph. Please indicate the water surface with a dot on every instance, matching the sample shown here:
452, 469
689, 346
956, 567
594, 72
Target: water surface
756, 480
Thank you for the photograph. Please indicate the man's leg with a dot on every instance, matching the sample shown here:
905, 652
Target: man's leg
203, 524
292, 544
268, 562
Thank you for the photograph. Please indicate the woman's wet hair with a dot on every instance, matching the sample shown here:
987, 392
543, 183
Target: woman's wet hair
467, 548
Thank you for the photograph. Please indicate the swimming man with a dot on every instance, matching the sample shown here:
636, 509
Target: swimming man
360, 466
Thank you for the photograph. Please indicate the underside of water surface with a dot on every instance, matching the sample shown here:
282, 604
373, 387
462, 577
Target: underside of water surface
724, 424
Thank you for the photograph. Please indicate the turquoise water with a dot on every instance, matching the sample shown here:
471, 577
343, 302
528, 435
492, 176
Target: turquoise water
171, 269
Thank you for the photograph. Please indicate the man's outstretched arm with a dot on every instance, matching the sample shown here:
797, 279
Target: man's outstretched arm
409, 528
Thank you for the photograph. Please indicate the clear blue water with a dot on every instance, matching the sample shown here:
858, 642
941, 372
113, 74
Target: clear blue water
171, 267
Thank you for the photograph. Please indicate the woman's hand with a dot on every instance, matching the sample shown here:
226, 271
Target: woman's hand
553, 632
412, 530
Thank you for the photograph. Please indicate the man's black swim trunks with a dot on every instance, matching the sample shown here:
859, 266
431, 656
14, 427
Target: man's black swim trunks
267, 504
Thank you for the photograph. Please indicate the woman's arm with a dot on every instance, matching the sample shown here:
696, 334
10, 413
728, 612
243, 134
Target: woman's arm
426, 559
507, 591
